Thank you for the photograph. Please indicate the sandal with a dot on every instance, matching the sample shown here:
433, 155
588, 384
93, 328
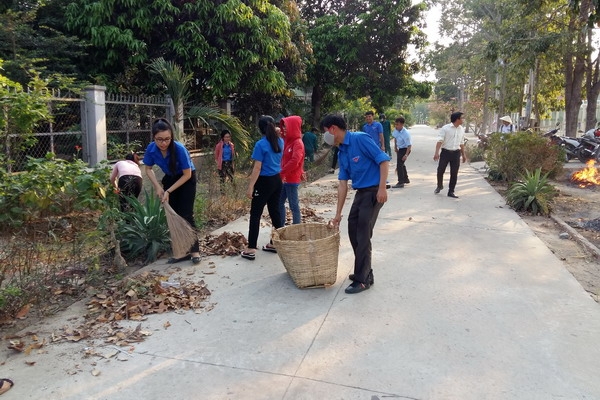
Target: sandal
5, 385
173, 260
248, 256
270, 248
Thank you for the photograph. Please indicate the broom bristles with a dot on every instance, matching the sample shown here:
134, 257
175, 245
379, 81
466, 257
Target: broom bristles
183, 236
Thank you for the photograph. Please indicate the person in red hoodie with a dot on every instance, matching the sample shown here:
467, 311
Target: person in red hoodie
292, 166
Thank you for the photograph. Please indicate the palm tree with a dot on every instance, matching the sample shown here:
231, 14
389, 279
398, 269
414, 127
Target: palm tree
178, 87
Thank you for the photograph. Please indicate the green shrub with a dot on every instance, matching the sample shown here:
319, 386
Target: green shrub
49, 187
144, 231
532, 193
474, 153
510, 156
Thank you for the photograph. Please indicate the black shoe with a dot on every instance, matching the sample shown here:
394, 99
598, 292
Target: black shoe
173, 260
451, 194
438, 189
357, 287
371, 278
398, 185
407, 181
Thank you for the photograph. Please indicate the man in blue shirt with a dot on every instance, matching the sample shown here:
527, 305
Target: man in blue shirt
403, 147
363, 162
374, 129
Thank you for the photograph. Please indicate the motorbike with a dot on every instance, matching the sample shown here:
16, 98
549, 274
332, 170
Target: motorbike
570, 145
589, 147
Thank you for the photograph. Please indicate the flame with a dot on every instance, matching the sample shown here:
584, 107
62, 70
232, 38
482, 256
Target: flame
588, 176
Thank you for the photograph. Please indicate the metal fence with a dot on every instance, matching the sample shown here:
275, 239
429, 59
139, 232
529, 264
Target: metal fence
63, 135
128, 122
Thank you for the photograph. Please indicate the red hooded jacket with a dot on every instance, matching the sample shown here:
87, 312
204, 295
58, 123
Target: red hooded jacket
292, 161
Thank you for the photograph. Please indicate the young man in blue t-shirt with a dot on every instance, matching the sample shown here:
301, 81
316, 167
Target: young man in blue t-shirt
363, 162
374, 129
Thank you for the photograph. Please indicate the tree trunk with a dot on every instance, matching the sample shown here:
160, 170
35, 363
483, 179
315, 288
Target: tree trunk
316, 101
592, 83
485, 127
574, 62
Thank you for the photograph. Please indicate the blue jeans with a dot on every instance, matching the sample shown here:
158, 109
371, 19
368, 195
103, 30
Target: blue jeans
290, 192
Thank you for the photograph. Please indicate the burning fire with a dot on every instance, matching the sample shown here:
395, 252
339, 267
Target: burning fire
588, 176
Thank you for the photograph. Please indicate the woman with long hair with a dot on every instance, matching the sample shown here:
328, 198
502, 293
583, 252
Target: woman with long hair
179, 183
265, 184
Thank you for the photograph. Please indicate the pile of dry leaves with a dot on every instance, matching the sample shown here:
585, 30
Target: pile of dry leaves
132, 299
225, 244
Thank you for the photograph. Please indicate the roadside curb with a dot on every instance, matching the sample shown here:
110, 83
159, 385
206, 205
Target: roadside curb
577, 236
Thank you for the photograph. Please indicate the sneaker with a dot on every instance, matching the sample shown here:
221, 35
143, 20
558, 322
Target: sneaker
331, 171
357, 287
371, 278
438, 189
398, 185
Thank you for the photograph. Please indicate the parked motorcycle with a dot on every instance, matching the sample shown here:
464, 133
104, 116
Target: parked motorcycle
589, 148
570, 145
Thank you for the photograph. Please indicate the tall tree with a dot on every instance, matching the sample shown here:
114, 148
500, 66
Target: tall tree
231, 46
360, 49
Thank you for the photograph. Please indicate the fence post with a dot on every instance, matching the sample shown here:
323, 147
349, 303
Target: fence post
95, 118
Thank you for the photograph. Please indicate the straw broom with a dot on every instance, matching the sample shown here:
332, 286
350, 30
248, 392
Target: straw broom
183, 236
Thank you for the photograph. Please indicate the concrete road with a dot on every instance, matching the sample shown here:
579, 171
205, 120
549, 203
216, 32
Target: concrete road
468, 304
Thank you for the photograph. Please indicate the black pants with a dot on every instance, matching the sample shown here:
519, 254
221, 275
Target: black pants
182, 201
129, 186
401, 167
361, 221
267, 191
452, 158
226, 171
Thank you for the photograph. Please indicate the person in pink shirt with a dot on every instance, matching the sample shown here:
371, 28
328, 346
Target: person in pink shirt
292, 166
126, 177
224, 156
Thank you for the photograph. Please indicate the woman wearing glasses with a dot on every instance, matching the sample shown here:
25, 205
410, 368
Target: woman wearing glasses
179, 183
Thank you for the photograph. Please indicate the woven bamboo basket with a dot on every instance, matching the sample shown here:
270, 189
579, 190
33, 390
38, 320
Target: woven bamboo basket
309, 253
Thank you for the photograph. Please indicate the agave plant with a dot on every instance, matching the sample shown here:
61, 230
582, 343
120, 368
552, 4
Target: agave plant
532, 193
143, 230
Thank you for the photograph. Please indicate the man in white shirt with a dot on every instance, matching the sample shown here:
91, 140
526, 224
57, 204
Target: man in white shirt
450, 141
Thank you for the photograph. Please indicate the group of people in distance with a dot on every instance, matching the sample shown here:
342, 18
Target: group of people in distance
278, 170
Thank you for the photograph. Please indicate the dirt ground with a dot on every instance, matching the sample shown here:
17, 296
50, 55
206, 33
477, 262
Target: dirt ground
575, 206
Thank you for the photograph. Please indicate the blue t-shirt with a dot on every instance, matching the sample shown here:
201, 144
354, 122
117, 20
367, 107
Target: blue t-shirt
271, 161
153, 156
374, 130
359, 159
226, 152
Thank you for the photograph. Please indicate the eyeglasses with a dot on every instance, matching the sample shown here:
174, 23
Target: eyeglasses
162, 140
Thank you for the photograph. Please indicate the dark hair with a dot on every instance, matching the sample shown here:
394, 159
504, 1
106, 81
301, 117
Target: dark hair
161, 125
133, 157
401, 120
456, 115
314, 130
333, 119
224, 132
369, 113
266, 125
